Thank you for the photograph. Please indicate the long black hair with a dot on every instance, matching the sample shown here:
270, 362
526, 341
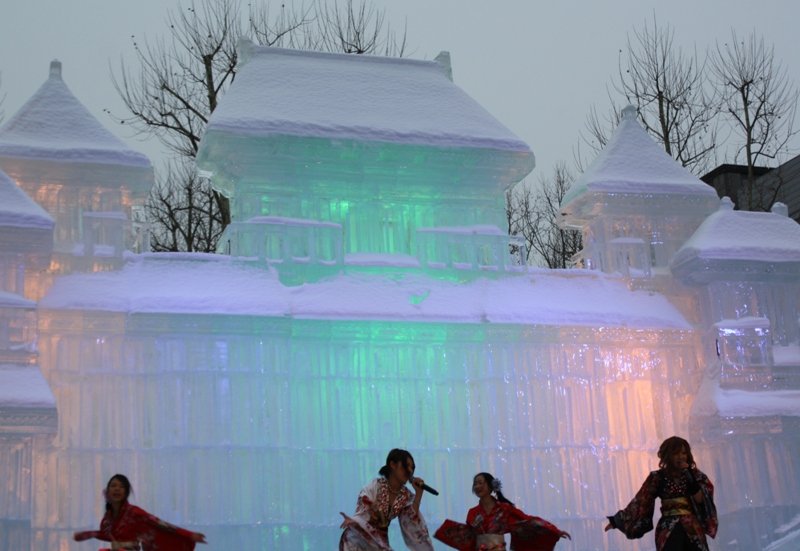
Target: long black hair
394, 456
125, 484
495, 485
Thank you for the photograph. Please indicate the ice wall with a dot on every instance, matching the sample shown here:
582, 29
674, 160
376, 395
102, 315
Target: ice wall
259, 430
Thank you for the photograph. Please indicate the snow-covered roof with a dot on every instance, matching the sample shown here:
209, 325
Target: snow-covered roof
221, 286
632, 162
19, 210
24, 386
740, 235
13, 300
53, 125
367, 98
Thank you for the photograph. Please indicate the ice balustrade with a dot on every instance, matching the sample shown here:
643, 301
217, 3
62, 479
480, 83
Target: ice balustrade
259, 430
477, 248
634, 244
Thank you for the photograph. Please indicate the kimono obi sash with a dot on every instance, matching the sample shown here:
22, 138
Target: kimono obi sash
490, 542
676, 506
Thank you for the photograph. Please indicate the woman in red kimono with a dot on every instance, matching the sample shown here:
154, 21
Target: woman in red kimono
132, 529
688, 513
494, 516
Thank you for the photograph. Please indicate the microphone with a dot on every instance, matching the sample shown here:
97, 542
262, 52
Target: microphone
427, 488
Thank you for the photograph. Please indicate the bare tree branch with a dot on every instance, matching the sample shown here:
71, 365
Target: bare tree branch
673, 99
183, 212
532, 214
760, 102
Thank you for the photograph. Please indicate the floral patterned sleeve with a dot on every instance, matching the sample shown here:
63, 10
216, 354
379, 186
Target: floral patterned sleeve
414, 529
636, 519
706, 511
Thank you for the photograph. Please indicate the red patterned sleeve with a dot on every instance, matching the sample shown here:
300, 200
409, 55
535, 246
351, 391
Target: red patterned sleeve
529, 533
166, 535
89, 534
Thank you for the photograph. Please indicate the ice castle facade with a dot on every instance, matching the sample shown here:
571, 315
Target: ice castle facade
366, 299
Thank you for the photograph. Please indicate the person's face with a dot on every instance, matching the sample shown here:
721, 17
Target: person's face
678, 458
116, 492
403, 474
480, 488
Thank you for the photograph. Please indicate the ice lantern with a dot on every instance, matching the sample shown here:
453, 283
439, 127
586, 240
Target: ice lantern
86, 178
635, 205
327, 156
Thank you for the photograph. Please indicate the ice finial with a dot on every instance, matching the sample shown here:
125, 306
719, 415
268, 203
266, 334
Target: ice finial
780, 208
629, 112
244, 50
443, 59
55, 69
725, 204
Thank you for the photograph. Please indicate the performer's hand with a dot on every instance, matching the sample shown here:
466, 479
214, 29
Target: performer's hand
563, 534
608, 527
197, 537
347, 521
417, 484
684, 465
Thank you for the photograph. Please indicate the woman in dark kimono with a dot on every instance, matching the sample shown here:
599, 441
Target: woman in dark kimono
494, 516
688, 513
133, 529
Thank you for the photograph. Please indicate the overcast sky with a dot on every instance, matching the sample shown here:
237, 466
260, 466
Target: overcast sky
537, 66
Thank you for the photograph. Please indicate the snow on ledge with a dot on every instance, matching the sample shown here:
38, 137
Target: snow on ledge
24, 386
221, 286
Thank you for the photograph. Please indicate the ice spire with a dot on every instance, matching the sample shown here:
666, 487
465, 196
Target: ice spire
55, 69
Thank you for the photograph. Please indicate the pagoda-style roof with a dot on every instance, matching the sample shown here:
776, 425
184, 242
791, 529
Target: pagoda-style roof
313, 115
631, 164
54, 126
740, 244
18, 210
365, 98
735, 237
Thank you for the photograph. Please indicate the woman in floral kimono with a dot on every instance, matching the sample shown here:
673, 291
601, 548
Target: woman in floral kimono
494, 516
132, 529
688, 513
382, 500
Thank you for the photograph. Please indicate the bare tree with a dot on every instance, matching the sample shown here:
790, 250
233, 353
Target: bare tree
183, 212
181, 78
532, 214
671, 95
357, 29
759, 101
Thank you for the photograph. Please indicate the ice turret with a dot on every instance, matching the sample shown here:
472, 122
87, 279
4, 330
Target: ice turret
635, 205
381, 146
68, 162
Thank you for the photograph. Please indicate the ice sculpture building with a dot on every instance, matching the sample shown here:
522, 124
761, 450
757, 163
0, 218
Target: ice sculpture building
366, 299
84, 176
